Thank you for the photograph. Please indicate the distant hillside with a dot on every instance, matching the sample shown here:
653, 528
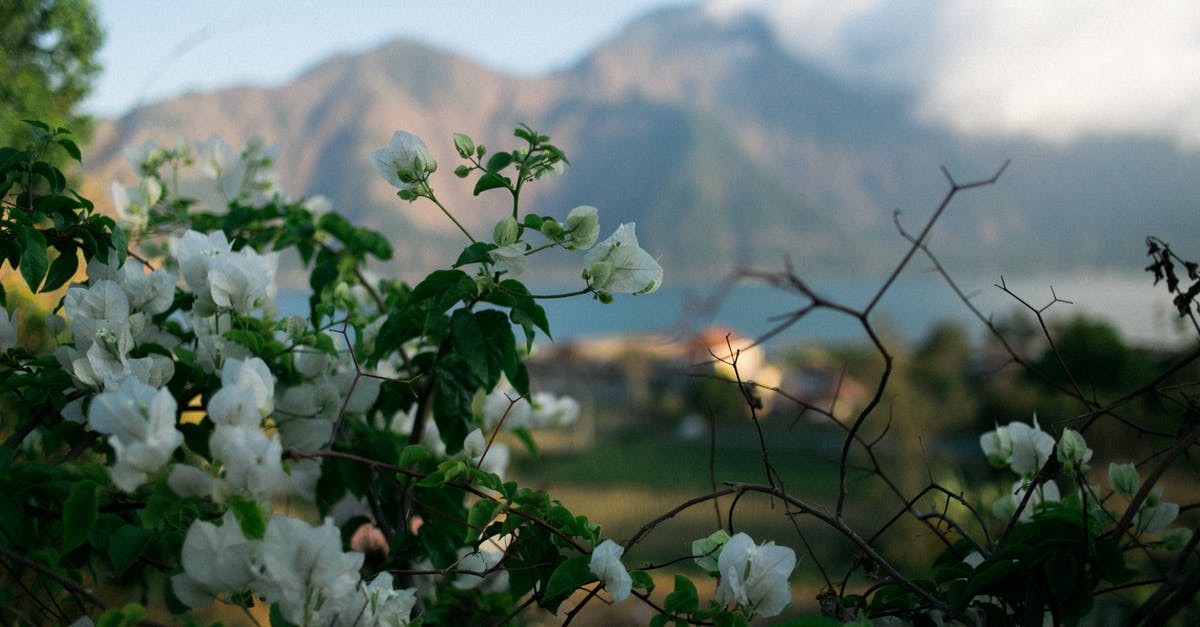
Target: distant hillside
720, 145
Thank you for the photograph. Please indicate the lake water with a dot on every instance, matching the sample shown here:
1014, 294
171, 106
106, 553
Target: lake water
1141, 311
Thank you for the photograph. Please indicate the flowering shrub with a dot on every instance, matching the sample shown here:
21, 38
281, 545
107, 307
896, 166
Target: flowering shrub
342, 467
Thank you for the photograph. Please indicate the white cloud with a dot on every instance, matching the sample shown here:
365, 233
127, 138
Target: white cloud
1054, 70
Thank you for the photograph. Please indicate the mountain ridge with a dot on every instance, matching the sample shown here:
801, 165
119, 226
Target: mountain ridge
724, 148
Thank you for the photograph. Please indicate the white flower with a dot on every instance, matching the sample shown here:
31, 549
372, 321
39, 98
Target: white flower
478, 568
405, 161
503, 403
140, 422
247, 394
216, 560
378, 603
510, 258
606, 564
8, 329
583, 223
553, 411
243, 281
1155, 514
304, 570
618, 264
1006, 506
1031, 447
997, 446
188, 481
253, 463
755, 577
1124, 479
218, 163
196, 254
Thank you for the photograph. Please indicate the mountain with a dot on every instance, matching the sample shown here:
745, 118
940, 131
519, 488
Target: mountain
723, 147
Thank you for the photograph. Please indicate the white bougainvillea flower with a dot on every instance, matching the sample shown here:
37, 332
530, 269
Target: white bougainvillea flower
196, 253
247, 393
503, 403
188, 481
140, 422
606, 564
219, 164
151, 293
405, 161
618, 264
216, 561
243, 281
1006, 505
378, 603
253, 463
510, 259
583, 224
1124, 478
755, 577
8, 329
304, 570
99, 312
553, 411
1155, 514
997, 446
479, 567
1031, 447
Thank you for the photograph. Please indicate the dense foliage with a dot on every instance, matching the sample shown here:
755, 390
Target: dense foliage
183, 443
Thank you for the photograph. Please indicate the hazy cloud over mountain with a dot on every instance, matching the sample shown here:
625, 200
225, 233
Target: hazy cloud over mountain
1052, 70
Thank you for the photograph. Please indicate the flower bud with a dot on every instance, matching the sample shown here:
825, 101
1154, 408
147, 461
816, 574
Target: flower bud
600, 273
506, 231
1073, 452
583, 223
551, 229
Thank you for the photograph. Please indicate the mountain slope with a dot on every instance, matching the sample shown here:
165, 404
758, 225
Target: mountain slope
723, 148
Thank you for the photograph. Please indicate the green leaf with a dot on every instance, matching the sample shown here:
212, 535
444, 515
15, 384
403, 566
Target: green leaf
34, 261
475, 253
480, 515
534, 221
456, 387
572, 573
444, 288
490, 181
685, 599
413, 454
642, 580
54, 177
79, 514
71, 148
499, 161
62, 269
249, 516
126, 545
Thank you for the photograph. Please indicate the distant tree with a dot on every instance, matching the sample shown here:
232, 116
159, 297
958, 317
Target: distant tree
1096, 356
48, 61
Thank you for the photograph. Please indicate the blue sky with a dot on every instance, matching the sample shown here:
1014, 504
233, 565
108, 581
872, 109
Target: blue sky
157, 49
